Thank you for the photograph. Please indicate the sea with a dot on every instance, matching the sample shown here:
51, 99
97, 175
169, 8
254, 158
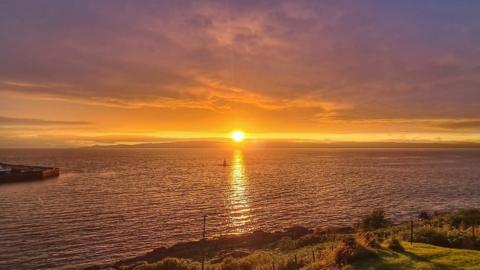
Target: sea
113, 204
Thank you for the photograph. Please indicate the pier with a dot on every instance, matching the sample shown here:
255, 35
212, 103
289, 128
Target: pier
20, 173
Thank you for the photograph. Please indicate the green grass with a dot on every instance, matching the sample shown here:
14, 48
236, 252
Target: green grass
362, 248
422, 256
416, 257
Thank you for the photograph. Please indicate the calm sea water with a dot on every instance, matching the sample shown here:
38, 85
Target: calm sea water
111, 204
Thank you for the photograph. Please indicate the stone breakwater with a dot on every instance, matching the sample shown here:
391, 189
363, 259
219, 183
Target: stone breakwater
19, 173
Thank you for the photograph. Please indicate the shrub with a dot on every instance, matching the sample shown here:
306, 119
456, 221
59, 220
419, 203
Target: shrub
169, 264
467, 217
310, 239
431, 236
375, 220
395, 245
368, 239
470, 243
289, 265
231, 264
424, 215
455, 238
348, 251
285, 244
314, 266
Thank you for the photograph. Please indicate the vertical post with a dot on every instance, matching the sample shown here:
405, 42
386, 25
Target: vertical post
313, 255
204, 226
203, 240
411, 232
296, 262
273, 265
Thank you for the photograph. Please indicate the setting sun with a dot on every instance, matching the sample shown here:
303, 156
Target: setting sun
238, 136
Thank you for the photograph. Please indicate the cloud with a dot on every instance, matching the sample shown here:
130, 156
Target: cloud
12, 121
466, 124
297, 61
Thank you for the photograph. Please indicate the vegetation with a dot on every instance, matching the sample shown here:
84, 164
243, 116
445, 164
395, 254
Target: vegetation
424, 215
395, 245
348, 251
422, 256
375, 220
465, 218
454, 230
445, 241
416, 256
168, 264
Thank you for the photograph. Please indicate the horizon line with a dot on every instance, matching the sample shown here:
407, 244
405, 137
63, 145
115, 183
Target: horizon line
272, 143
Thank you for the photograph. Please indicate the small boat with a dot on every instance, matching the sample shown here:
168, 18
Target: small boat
224, 164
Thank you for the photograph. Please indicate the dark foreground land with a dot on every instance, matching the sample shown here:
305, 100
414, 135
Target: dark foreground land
446, 241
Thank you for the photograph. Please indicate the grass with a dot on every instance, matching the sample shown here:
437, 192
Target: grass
415, 257
422, 256
376, 245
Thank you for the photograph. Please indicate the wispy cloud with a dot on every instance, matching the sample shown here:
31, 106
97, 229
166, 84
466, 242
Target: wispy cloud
270, 65
12, 121
459, 125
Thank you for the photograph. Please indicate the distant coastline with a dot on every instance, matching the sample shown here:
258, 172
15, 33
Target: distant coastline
293, 144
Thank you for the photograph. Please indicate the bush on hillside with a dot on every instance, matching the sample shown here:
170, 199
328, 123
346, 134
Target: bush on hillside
310, 239
169, 264
467, 217
348, 251
375, 220
424, 215
232, 264
368, 239
455, 238
286, 244
395, 245
432, 236
314, 266
290, 264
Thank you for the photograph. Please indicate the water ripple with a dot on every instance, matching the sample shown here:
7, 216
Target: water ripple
112, 204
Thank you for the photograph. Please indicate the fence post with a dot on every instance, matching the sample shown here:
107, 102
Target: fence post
273, 265
204, 226
411, 232
296, 262
313, 255
203, 240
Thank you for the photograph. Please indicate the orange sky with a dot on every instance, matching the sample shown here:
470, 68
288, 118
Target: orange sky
111, 72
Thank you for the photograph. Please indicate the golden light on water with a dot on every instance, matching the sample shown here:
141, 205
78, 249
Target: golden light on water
240, 208
238, 136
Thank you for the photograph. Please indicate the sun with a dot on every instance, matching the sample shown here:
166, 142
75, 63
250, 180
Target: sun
238, 136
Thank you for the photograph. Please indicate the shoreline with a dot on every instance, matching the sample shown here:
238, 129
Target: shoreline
194, 249
240, 245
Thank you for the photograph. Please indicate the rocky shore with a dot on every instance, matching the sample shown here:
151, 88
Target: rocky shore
218, 248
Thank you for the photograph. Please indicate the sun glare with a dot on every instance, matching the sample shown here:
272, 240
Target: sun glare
238, 136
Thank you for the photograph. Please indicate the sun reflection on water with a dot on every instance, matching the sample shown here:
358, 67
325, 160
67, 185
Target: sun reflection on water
240, 208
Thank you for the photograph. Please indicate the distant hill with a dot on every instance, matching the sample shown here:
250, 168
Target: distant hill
292, 144
177, 144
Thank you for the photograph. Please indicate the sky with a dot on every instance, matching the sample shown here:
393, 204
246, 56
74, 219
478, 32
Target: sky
75, 73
